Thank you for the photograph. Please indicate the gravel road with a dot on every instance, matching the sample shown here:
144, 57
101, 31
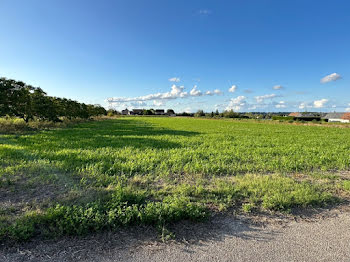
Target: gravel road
326, 238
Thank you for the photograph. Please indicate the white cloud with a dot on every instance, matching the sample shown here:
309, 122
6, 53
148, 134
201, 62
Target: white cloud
195, 91
232, 89
217, 92
158, 103
315, 104
281, 104
174, 79
261, 99
237, 103
304, 105
175, 93
320, 103
278, 87
331, 77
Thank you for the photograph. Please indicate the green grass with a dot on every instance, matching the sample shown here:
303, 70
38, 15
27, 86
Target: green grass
150, 170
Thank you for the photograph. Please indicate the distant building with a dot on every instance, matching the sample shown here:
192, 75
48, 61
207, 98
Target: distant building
346, 116
306, 116
295, 114
159, 112
125, 112
137, 111
337, 117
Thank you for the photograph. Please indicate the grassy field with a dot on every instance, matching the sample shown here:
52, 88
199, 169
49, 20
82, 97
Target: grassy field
151, 170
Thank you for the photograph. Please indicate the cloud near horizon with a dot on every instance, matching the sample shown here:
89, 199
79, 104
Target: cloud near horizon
330, 78
175, 93
348, 109
315, 104
236, 104
281, 104
261, 99
320, 103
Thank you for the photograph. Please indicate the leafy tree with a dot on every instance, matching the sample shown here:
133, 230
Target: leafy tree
27, 102
199, 113
170, 112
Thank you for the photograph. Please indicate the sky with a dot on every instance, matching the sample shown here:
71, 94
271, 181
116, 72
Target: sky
244, 55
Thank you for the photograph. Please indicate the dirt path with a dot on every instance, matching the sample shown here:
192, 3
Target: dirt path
326, 238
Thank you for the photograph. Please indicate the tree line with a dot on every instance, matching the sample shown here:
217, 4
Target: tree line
21, 100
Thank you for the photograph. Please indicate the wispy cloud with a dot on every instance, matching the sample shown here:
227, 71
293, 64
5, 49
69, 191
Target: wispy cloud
278, 87
174, 79
348, 109
204, 11
232, 89
248, 91
330, 78
304, 105
281, 104
261, 99
158, 103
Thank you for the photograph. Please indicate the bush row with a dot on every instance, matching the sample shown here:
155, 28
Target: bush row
27, 102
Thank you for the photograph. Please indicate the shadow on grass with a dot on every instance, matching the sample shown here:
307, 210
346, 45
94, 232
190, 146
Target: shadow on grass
33, 172
124, 242
109, 133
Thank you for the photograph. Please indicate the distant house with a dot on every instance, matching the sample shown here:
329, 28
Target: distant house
295, 114
337, 117
306, 116
346, 116
125, 112
159, 112
137, 112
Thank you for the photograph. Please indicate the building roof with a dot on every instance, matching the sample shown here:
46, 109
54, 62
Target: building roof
346, 116
295, 114
305, 114
334, 115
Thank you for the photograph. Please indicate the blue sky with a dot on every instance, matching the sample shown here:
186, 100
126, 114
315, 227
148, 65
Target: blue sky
130, 50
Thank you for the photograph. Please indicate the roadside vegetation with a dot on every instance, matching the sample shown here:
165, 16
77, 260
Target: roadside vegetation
100, 175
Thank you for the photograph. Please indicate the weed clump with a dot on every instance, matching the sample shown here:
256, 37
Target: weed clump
121, 208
